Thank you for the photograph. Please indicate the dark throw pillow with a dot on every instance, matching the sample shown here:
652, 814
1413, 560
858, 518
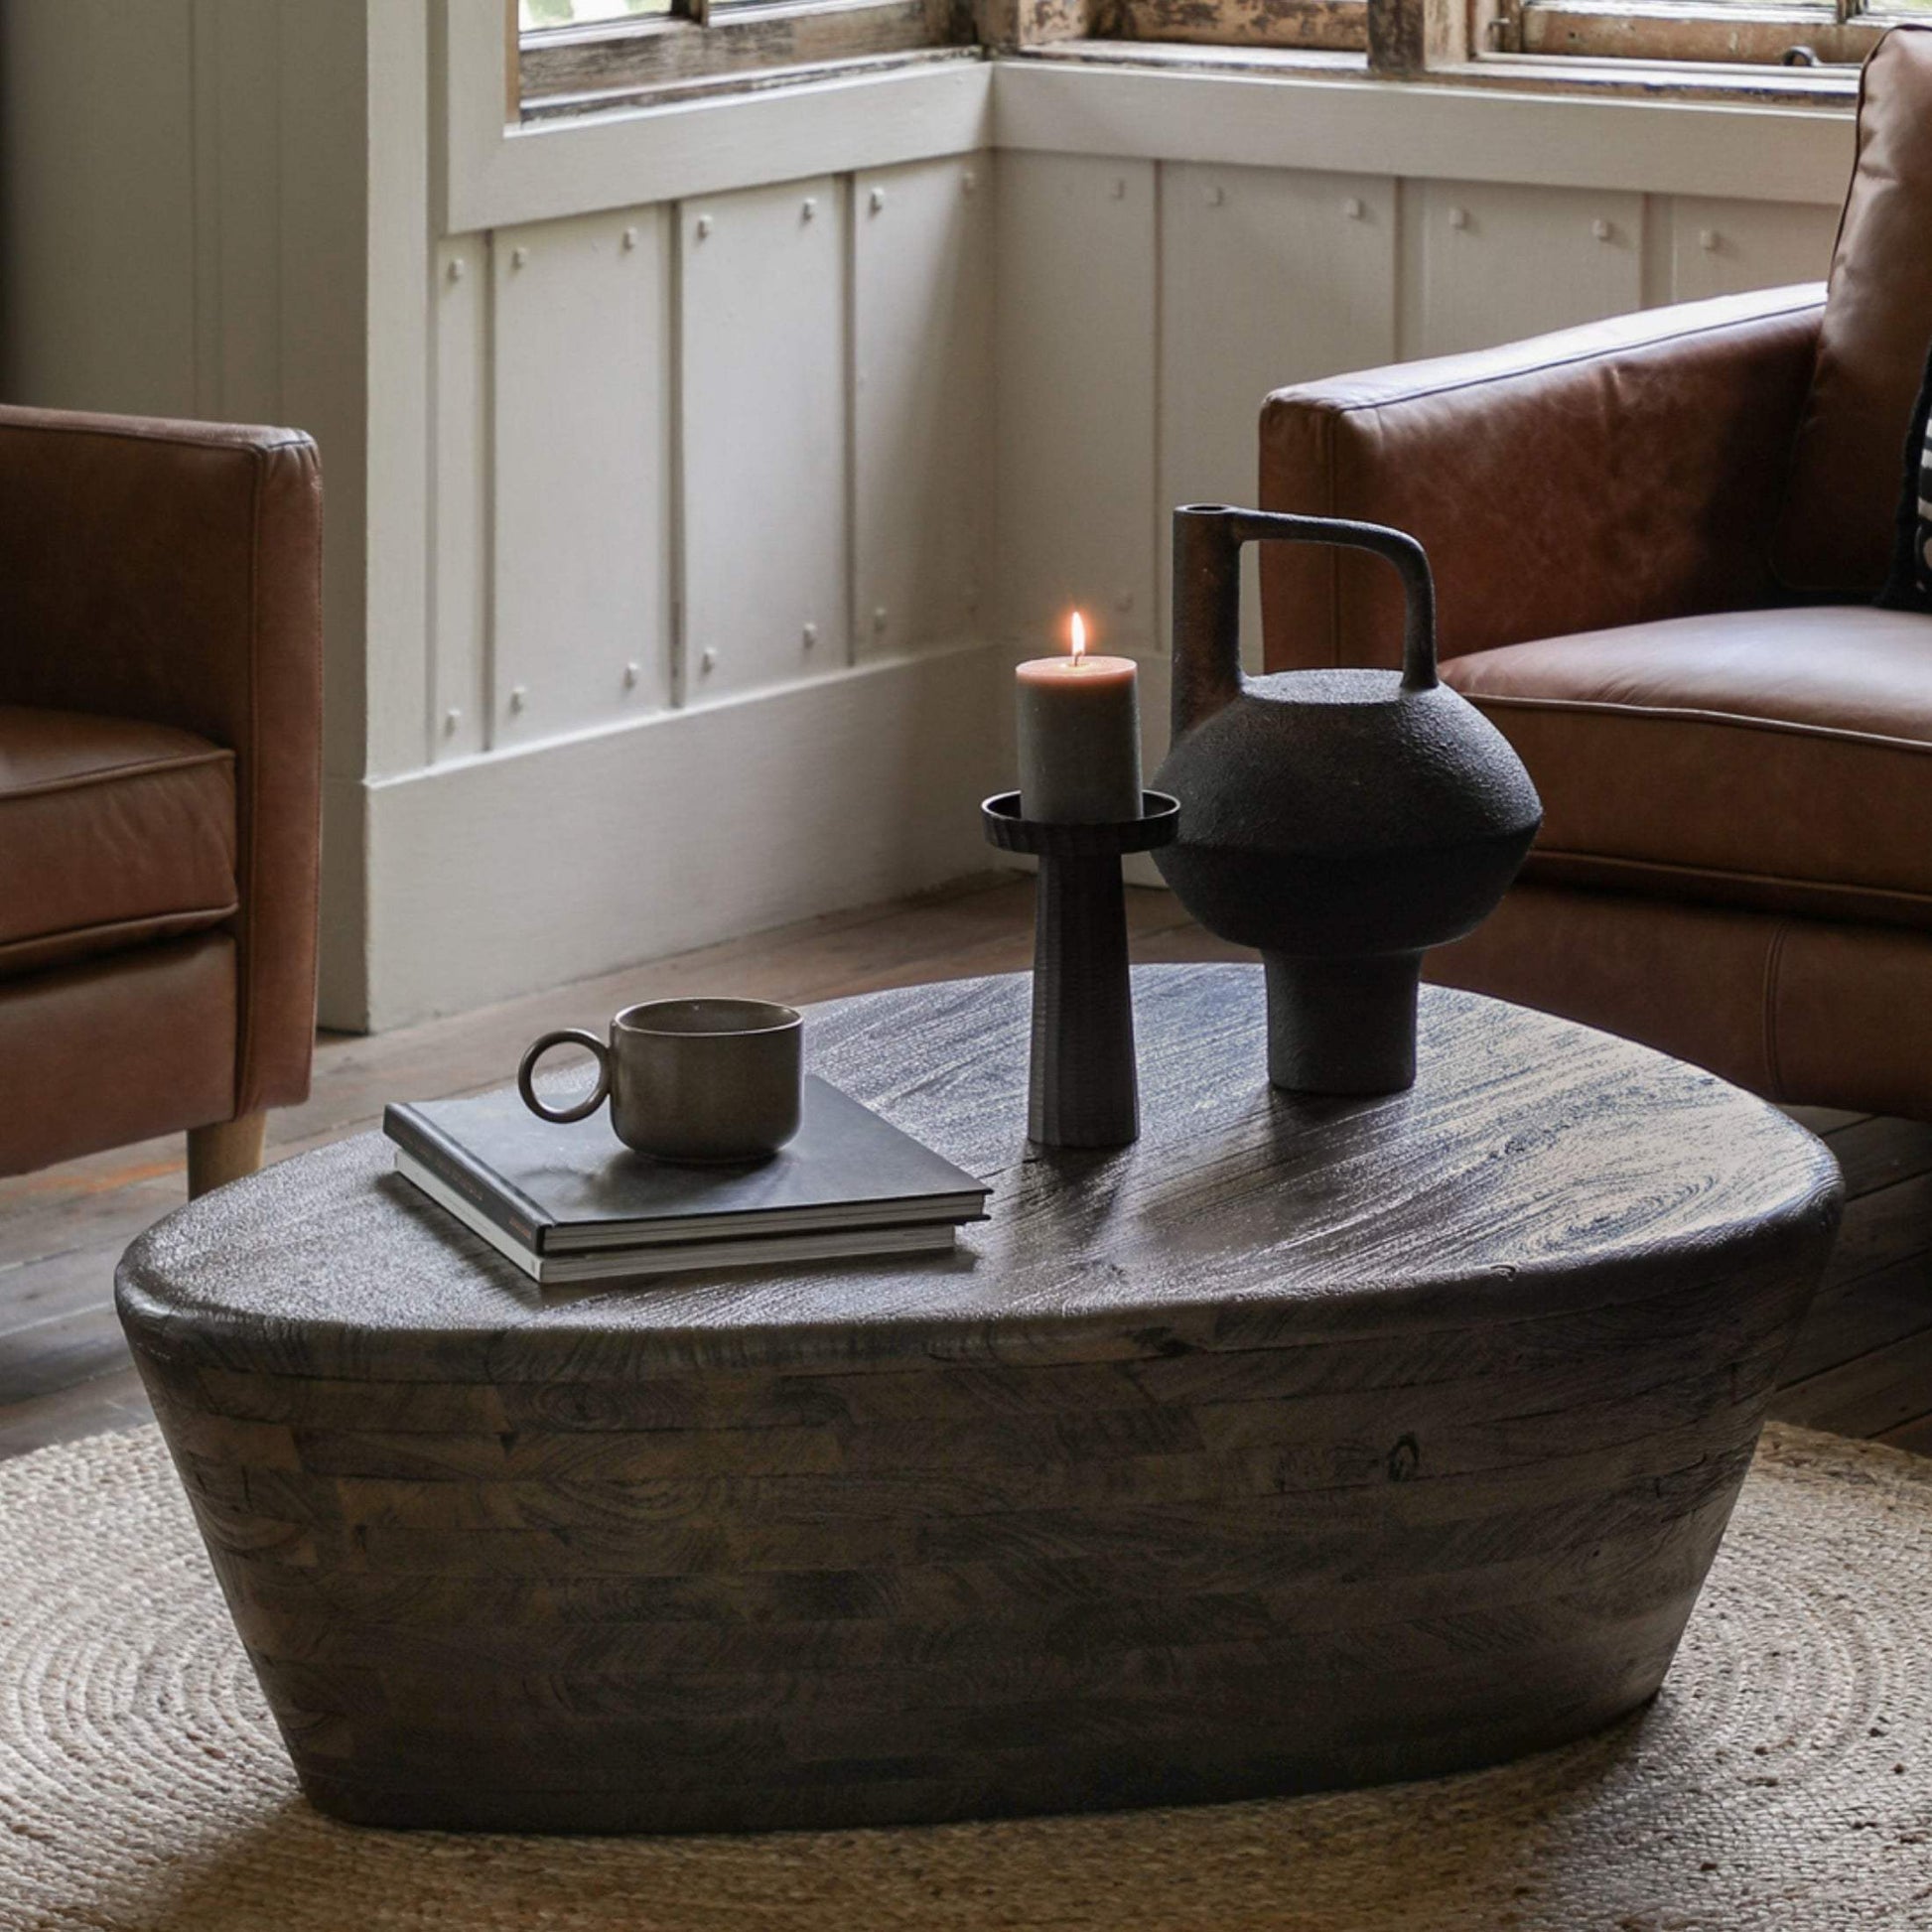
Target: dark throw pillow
1909, 588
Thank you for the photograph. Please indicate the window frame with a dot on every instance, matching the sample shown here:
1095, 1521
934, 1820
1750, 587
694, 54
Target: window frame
1799, 49
703, 46
1801, 34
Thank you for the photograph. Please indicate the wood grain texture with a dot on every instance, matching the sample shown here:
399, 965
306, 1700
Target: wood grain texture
1301, 1443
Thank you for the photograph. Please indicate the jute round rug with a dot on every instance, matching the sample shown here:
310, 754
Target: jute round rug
1782, 1781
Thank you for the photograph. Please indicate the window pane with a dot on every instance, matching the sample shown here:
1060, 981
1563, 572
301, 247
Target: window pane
574, 13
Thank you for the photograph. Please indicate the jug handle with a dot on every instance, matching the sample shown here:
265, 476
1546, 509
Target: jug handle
1208, 540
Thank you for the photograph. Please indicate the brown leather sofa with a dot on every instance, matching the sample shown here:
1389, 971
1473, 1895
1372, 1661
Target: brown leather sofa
160, 757
1656, 541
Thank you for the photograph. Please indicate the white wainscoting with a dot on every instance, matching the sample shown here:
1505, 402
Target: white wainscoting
922, 477
543, 864
1074, 375
767, 481
580, 403
780, 445
1267, 276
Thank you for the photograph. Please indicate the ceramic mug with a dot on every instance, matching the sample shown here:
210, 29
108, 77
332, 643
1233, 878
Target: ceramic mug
689, 1080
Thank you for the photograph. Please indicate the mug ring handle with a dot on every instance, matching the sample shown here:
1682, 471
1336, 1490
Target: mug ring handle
566, 1037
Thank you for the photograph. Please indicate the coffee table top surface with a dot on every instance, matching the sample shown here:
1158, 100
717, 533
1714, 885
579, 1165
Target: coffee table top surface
1536, 1166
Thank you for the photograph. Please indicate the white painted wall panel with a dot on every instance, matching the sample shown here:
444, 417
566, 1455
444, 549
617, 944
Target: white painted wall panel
460, 493
1267, 277
580, 404
835, 791
1486, 263
1075, 344
766, 519
921, 400
1722, 247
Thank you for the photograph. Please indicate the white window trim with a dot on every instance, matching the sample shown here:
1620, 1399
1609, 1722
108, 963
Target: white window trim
496, 173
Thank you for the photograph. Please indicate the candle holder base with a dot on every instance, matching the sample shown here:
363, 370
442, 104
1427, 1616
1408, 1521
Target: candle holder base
1084, 1087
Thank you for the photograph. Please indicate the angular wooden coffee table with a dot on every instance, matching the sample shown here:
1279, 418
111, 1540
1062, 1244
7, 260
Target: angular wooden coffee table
1304, 1443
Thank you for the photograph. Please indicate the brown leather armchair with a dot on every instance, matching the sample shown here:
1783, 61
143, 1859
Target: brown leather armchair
1648, 536
160, 757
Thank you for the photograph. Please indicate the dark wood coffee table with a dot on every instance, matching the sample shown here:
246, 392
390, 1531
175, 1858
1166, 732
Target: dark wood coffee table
1304, 1444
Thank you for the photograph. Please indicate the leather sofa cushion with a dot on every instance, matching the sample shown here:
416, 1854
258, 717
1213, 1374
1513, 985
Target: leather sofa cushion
1835, 535
1773, 759
113, 834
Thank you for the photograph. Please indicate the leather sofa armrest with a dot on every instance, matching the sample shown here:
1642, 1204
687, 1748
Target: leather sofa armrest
171, 571
1616, 474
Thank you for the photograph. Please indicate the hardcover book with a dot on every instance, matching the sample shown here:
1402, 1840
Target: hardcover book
574, 1203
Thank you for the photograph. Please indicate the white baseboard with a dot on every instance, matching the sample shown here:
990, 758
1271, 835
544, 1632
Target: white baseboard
506, 874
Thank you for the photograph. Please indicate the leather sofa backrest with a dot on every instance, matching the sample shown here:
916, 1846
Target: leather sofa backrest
1835, 535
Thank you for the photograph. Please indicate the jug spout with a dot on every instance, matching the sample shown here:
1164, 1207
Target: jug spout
1207, 611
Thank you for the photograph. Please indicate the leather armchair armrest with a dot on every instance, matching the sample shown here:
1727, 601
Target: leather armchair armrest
1625, 472
171, 571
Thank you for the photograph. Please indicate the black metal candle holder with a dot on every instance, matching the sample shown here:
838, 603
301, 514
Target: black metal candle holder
1085, 1090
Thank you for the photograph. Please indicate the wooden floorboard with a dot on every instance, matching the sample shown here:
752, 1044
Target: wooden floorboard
1862, 1365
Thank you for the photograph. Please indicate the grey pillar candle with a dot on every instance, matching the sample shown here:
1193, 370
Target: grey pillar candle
1079, 737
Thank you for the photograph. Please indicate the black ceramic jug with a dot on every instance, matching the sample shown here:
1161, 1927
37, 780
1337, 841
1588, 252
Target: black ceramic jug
1340, 821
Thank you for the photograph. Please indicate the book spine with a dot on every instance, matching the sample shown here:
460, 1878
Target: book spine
506, 1208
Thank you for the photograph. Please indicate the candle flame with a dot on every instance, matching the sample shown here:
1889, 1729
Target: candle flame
1079, 636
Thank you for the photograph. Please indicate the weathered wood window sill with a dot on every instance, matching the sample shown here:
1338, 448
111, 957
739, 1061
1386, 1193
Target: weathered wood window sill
1828, 90
630, 101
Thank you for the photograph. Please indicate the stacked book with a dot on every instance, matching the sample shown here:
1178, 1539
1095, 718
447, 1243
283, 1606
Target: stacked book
572, 1204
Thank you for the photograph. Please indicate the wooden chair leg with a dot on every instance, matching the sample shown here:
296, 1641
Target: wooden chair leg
224, 1152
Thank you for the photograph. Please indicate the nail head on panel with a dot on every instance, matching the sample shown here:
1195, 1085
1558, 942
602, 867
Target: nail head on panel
703, 227
876, 199
455, 271
630, 237
518, 258
1458, 217
451, 720
1353, 208
968, 182
633, 672
1602, 230
706, 661
809, 636
1120, 187
519, 696
1216, 196
879, 619
1707, 240
808, 207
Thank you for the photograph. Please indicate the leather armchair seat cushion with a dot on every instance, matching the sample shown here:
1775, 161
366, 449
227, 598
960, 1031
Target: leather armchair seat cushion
113, 834
1772, 759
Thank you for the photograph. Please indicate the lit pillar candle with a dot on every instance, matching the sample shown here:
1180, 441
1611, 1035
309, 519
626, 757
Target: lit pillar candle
1079, 737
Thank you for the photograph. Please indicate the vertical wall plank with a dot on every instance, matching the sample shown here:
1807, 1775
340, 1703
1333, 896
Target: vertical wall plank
459, 684
1267, 277
1722, 247
921, 402
1074, 338
1488, 263
581, 408
763, 353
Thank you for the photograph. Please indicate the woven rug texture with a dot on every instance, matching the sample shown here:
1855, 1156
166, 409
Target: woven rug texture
1782, 1781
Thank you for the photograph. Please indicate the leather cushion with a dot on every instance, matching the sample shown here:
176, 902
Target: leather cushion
116, 1050
1835, 535
1772, 759
1810, 1011
113, 833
